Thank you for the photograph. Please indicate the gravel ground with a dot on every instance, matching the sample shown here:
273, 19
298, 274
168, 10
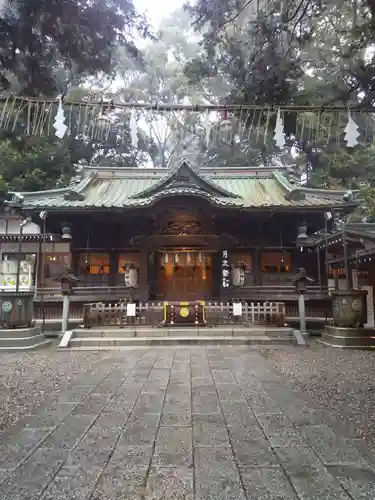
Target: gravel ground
340, 380
29, 379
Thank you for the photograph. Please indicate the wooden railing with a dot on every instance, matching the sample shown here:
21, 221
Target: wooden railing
253, 293
83, 292
315, 309
275, 291
151, 314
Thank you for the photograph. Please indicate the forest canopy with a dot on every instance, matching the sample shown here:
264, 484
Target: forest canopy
249, 52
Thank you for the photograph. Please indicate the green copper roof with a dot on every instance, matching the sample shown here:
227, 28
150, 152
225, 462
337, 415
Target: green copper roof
106, 188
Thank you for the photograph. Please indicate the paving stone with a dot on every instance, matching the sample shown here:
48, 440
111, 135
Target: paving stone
208, 418
177, 407
230, 392
201, 371
223, 377
238, 414
132, 456
129, 390
208, 403
249, 434
177, 394
95, 448
216, 487
209, 433
4, 473
202, 381
251, 447
73, 394
108, 387
170, 484
173, 447
30, 479
204, 391
50, 417
149, 403
218, 458
180, 379
117, 482
119, 404
267, 484
316, 486
256, 454
140, 430
280, 431
300, 414
155, 388
176, 417
250, 386
332, 448
218, 365
72, 483
358, 483
69, 433
342, 427
92, 405
299, 460
114, 418
262, 402
16, 447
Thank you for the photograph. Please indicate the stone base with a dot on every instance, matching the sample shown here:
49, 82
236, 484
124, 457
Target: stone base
355, 338
110, 338
21, 339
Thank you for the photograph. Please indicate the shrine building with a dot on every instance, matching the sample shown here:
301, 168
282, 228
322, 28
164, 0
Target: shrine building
181, 234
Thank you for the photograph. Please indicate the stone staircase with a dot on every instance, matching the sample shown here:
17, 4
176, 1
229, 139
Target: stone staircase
22, 339
114, 337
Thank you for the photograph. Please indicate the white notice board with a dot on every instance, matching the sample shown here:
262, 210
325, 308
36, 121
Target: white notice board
237, 309
130, 309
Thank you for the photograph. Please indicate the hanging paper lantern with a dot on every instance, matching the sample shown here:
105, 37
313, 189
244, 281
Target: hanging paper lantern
279, 135
351, 132
133, 128
166, 258
176, 258
59, 123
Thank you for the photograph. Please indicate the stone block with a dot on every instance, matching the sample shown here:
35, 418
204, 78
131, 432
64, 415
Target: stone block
267, 484
170, 484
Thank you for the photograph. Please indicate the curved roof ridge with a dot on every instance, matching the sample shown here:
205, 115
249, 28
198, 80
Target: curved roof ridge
164, 179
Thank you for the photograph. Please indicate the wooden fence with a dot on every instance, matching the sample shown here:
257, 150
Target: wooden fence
152, 314
315, 309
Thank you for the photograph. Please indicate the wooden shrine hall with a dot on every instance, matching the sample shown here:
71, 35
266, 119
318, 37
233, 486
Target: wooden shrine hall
179, 234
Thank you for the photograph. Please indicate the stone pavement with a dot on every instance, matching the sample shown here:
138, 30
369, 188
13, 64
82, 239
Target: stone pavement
183, 424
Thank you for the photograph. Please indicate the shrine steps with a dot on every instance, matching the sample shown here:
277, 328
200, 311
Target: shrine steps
22, 339
111, 338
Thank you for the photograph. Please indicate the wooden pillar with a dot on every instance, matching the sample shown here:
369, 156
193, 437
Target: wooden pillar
143, 275
113, 269
256, 267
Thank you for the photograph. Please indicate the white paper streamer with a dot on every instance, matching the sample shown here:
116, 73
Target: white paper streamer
133, 128
279, 136
59, 123
207, 128
351, 132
